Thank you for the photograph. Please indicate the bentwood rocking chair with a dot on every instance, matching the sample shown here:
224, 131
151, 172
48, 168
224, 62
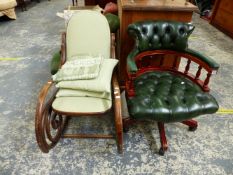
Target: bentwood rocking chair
158, 87
87, 34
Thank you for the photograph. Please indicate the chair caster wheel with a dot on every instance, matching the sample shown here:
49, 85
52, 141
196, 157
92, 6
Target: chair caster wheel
161, 151
192, 128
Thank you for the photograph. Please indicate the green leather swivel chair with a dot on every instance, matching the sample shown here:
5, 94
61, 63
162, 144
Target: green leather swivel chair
159, 85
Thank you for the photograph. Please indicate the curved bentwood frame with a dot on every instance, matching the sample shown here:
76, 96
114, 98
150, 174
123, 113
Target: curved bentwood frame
50, 124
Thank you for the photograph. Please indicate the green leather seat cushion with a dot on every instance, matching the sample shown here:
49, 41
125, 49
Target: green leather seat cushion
166, 97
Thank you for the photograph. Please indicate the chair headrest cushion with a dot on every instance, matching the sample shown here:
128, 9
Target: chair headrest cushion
151, 35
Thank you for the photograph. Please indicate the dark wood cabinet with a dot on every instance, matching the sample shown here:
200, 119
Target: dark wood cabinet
101, 3
222, 17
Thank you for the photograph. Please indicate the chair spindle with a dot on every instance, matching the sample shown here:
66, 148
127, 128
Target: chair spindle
206, 82
161, 61
198, 73
187, 67
174, 66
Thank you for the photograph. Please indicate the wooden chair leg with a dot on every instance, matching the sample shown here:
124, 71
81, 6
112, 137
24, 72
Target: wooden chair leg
46, 124
127, 122
117, 113
119, 136
191, 123
163, 139
49, 125
119, 128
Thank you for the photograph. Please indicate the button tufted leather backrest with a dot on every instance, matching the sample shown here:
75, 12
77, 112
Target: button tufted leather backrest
152, 35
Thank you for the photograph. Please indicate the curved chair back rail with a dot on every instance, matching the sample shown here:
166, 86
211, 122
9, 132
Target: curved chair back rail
92, 29
203, 67
151, 35
161, 35
166, 38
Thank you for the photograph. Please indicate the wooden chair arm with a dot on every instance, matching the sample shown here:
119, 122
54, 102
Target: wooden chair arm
116, 87
203, 66
117, 107
63, 48
42, 97
113, 44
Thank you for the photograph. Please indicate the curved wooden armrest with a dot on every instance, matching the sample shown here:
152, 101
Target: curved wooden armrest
117, 111
204, 63
203, 58
113, 51
116, 94
116, 87
42, 97
63, 48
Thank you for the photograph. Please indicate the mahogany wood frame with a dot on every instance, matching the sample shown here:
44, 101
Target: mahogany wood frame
179, 55
47, 117
101, 3
221, 17
143, 68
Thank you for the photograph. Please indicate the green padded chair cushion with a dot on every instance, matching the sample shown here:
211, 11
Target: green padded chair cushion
81, 68
80, 93
55, 63
81, 104
166, 97
88, 32
100, 84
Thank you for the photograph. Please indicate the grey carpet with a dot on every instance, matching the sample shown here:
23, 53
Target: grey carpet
33, 38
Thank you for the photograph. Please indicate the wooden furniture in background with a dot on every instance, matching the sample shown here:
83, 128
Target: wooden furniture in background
21, 4
101, 3
131, 11
192, 1
222, 17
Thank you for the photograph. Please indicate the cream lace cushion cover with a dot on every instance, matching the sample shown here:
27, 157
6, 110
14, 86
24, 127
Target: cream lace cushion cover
102, 83
80, 67
90, 95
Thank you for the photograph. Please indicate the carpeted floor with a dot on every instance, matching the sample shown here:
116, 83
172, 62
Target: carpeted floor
32, 39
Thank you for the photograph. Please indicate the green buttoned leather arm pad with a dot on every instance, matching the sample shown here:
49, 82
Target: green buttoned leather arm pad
203, 58
55, 63
131, 65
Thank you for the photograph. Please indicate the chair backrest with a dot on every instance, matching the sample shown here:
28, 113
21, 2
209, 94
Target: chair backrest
152, 35
162, 46
88, 33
